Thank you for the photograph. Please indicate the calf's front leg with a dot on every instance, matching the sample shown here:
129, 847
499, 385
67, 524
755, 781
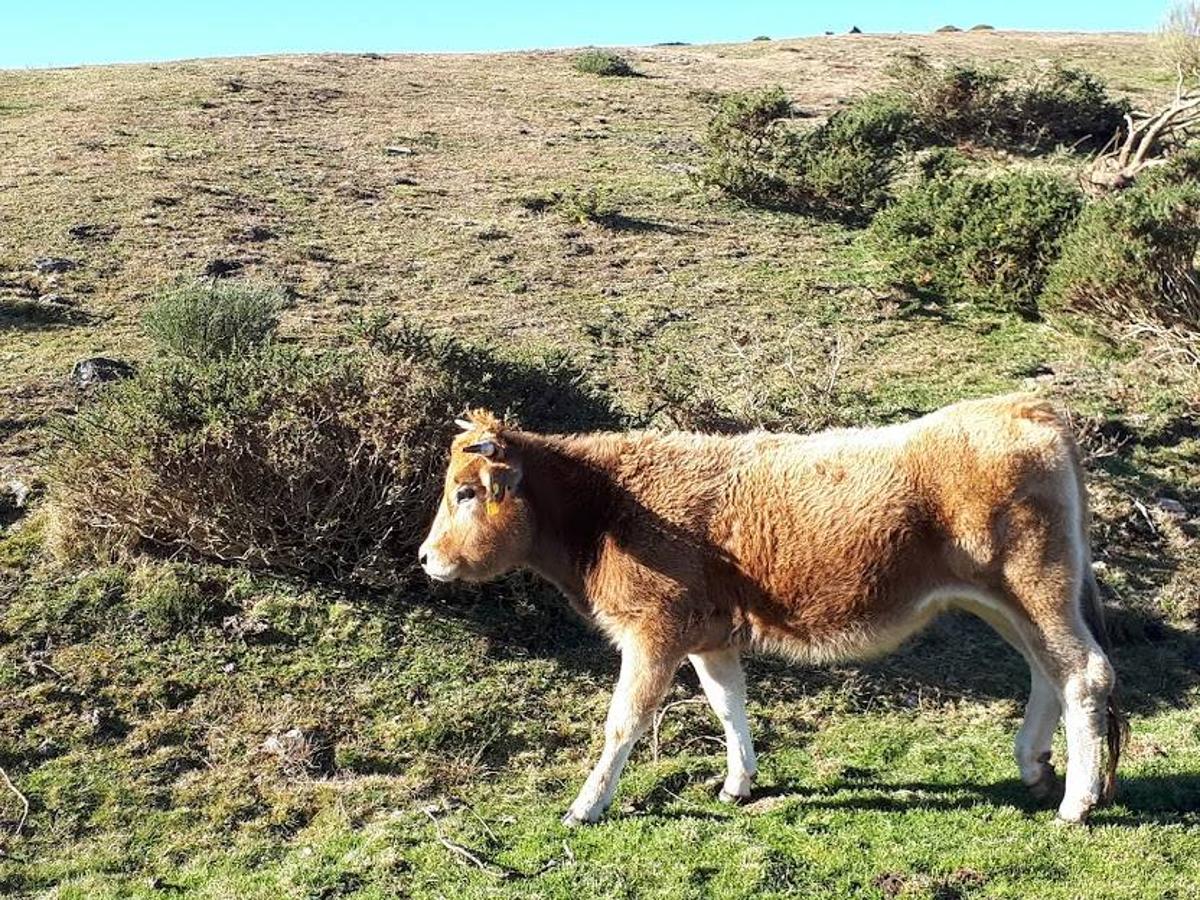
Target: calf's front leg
645, 676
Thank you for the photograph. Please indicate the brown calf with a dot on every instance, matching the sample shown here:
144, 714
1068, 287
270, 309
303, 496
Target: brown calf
826, 547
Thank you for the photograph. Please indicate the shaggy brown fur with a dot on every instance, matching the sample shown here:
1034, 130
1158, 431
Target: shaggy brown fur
821, 547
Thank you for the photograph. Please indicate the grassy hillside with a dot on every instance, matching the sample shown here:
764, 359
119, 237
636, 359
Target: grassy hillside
183, 728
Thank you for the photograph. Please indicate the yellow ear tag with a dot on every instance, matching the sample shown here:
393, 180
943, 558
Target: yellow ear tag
495, 495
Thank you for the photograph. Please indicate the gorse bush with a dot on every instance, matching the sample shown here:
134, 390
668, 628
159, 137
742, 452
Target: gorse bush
586, 204
1030, 111
985, 240
841, 169
744, 143
845, 167
208, 320
1131, 259
603, 62
322, 465
952, 104
1061, 106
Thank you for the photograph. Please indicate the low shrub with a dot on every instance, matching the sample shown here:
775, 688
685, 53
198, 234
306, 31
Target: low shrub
1034, 110
1063, 107
1131, 258
744, 142
323, 465
841, 169
603, 62
586, 204
955, 103
205, 320
986, 240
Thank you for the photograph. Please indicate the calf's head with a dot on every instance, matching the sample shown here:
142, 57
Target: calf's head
483, 527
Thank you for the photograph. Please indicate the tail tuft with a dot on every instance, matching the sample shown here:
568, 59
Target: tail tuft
1118, 723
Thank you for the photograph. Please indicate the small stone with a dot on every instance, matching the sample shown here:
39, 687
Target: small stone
16, 492
48, 265
1172, 507
99, 370
399, 151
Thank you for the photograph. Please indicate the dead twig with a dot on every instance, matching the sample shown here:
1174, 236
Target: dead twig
658, 720
463, 852
24, 801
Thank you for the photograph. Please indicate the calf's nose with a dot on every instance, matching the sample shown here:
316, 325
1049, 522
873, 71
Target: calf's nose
423, 557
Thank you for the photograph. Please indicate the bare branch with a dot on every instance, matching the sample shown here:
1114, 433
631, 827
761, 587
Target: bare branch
24, 800
1147, 141
463, 852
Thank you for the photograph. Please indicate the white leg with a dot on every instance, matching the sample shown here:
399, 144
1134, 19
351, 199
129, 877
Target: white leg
1085, 694
640, 688
1042, 712
1032, 748
724, 684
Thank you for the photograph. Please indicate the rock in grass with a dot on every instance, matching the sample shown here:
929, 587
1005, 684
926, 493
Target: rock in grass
1172, 507
15, 496
50, 265
99, 370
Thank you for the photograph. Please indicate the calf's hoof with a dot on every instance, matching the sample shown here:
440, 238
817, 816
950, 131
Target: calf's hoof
733, 799
1065, 822
572, 820
1047, 785
1075, 813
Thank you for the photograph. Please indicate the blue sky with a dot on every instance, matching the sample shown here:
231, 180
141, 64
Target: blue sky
69, 32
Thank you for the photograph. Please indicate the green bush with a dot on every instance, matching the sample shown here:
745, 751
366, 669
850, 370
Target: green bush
744, 141
956, 103
987, 240
324, 465
603, 62
587, 204
841, 169
1061, 107
208, 320
1030, 111
1131, 258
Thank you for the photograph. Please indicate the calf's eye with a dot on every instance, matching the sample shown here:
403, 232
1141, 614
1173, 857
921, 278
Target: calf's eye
464, 493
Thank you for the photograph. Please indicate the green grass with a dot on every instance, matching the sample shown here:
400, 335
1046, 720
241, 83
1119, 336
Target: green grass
138, 740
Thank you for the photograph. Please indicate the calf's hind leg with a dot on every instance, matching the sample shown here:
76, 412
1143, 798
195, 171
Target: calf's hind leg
1042, 713
1082, 679
645, 676
1043, 710
1085, 679
724, 683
